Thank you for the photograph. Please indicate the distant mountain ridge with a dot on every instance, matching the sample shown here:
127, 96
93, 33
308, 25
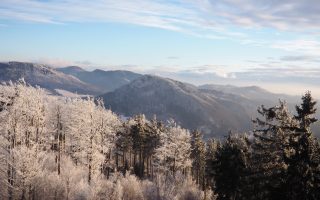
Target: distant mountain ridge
185, 103
73, 78
106, 81
44, 76
250, 97
250, 92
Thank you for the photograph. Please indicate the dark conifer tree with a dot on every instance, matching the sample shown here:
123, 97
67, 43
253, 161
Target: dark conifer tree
198, 156
231, 167
267, 169
138, 134
285, 159
303, 163
212, 146
124, 145
154, 128
306, 111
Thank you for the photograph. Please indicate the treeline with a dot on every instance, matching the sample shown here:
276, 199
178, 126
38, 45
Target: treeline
73, 148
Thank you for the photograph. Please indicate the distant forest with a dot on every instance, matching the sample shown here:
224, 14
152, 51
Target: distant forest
54, 147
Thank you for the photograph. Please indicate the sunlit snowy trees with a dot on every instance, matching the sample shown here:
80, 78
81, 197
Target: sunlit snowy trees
22, 136
173, 154
92, 133
73, 148
36, 126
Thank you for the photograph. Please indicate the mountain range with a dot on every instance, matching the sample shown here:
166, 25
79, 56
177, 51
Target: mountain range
185, 103
214, 109
45, 77
105, 81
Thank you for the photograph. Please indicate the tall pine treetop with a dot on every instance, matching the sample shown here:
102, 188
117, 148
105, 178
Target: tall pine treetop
306, 110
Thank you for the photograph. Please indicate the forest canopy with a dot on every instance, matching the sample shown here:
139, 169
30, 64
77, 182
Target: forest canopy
55, 147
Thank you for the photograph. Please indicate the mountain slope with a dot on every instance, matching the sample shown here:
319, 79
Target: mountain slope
250, 97
251, 92
185, 103
104, 80
43, 76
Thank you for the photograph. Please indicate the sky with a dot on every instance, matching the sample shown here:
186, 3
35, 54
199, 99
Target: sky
270, 43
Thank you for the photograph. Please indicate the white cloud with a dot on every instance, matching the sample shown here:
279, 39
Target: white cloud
217, 70
311, 47
301, 58
54, 62
291, 15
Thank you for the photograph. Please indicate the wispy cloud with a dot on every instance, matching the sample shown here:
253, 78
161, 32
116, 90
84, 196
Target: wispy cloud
311, 47
300, 58
170, 16
280, 15
54, 62
173, 57
205, 18
285, 71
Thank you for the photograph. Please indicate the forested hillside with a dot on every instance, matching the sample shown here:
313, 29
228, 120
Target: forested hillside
55, 147
106, 81
192, 108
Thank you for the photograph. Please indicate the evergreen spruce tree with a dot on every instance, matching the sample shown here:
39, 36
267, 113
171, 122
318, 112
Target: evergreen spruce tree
154, 129
198, 156
285, 159
306, 111
212, 147
267, 168
231, 167
138, 134
303, 164
124, 145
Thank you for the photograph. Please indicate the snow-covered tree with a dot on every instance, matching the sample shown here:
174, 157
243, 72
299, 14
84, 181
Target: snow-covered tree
93, 130
174, 152
23, 125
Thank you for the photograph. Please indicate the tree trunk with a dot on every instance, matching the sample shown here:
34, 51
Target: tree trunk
152, 173
59, 154
10, 180
130, 159
123, 159
117, 159
174, 167
23, 197
148, 166
90, 161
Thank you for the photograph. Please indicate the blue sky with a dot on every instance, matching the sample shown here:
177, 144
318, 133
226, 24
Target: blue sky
231, 41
